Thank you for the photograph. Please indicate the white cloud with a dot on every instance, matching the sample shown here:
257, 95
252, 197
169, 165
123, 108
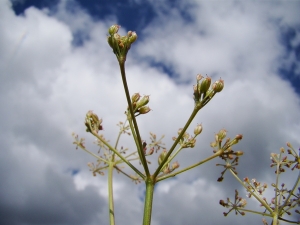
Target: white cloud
48, 84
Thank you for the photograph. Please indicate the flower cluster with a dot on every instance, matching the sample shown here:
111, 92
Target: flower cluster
277, 159
92, 122
120, 44
237, 206
254, 186
204, 91
167, 168
230, 156
187, 140
139, 104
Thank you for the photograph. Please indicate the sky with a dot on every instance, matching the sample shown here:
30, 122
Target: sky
56, 65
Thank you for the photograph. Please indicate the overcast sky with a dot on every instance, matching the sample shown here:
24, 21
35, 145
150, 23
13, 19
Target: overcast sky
55, 65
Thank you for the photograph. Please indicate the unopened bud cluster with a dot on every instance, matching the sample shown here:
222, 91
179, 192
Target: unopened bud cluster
204, 91
120, 44
187, 140
139, 104
219, 137
167, 168
92, 122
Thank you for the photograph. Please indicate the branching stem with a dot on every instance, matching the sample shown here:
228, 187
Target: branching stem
136, 129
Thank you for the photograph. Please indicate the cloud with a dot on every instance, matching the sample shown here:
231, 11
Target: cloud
56, 65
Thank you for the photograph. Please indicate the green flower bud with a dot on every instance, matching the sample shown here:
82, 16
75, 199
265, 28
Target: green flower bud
123, 43
92, 122
218, 85
120, 44
236, 139
221, 135
117, 36
110, 41
205, 84
239, 153
142, 102
162, 156
113, 29
132, 37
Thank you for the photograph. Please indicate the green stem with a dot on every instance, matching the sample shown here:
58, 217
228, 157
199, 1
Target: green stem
118, 154
120, 133
96, 156
134, 136
139, 146
218, 153
254, 212
110, 194
148, 201
121, 171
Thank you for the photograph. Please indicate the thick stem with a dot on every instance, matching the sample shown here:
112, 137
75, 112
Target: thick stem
110, 194
136, 129
148, 201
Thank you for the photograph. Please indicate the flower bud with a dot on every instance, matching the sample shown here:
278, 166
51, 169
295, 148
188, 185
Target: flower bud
213, 144
120, 44
113, 29
235, 140
144, 110
92, 122
198, 129
218, 85
223, 203
117, 36
175, 165
162, 156
151, 151
239, 153
196, 93
239, 137
132, 38
142, 102
199, 77
205, 84
242, 203
222, 134
110, 41
135, 97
